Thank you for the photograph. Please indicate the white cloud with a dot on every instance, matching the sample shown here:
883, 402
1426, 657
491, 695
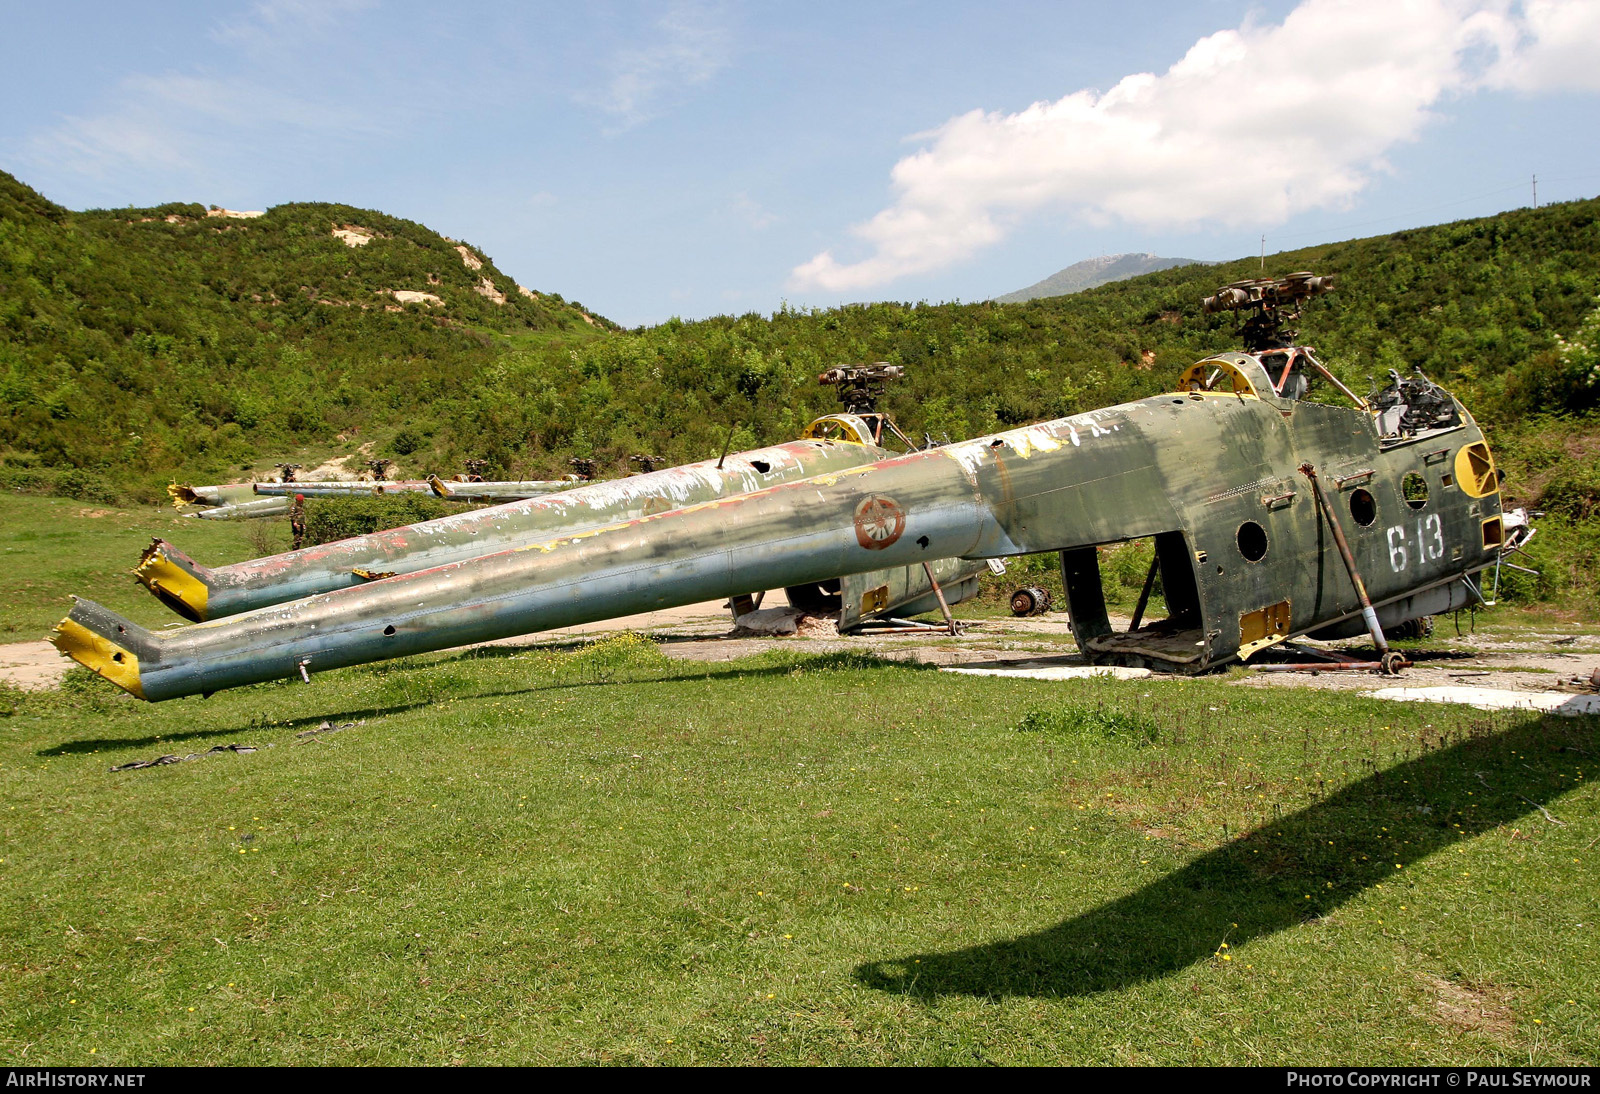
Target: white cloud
751, 212
691, 46
1250, 127
1554, 46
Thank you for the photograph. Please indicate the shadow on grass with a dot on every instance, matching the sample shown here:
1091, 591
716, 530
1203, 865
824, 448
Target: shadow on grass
100, 744
679, 672
1299, 868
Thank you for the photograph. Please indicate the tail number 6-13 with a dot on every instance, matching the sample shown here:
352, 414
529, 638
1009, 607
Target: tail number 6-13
1430, 543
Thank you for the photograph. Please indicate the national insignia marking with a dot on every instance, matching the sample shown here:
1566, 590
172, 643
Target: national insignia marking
879, 522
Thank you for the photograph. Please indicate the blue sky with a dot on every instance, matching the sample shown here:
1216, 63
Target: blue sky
701, 158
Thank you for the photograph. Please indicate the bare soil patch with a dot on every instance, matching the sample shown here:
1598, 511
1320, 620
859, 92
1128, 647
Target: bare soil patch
1467, 1008
33, 666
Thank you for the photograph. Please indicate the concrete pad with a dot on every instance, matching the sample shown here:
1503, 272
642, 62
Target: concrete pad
1032, 670
1552, 702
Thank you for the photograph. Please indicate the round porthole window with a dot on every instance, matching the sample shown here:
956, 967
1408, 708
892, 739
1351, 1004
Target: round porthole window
1252, 541
1363, 508
1414, 488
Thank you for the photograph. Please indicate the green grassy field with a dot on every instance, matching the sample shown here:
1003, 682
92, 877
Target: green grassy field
53, 548
600, 854
609, 856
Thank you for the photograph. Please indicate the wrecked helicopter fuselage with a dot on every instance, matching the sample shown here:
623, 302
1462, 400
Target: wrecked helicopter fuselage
1272, 515
1213, 475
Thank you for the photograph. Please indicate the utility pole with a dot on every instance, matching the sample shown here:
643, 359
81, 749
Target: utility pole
1536, 191
1263, 251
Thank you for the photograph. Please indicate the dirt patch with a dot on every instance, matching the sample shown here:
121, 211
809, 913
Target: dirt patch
701, 633
95, 513
33, 666
1449, 665
411, 296
1467, 1008
816, 626
337, 469
468, 259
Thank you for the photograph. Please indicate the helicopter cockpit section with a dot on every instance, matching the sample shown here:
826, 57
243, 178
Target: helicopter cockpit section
1287, 371
1411, 407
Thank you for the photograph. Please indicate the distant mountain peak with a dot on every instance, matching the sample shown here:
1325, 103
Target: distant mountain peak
1095, 271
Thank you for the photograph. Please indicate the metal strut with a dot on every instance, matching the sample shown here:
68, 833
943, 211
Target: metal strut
1144, 594
1388, 662
944, 606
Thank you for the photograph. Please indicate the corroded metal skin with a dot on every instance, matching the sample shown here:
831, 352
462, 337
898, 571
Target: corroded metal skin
183, 494
244, 510
905, 591
342, 489
467, 491
1192, 468
498, 491
796, 533
200, 593
240, 493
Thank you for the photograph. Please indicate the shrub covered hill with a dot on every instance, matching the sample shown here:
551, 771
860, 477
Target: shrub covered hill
139, 344
143, 341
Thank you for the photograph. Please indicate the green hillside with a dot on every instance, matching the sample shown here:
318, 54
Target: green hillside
140, 344
1478, 305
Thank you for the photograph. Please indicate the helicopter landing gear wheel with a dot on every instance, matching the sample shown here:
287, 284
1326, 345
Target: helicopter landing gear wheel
1030, 600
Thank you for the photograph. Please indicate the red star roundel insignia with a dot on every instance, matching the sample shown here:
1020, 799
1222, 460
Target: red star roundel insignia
879, 522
